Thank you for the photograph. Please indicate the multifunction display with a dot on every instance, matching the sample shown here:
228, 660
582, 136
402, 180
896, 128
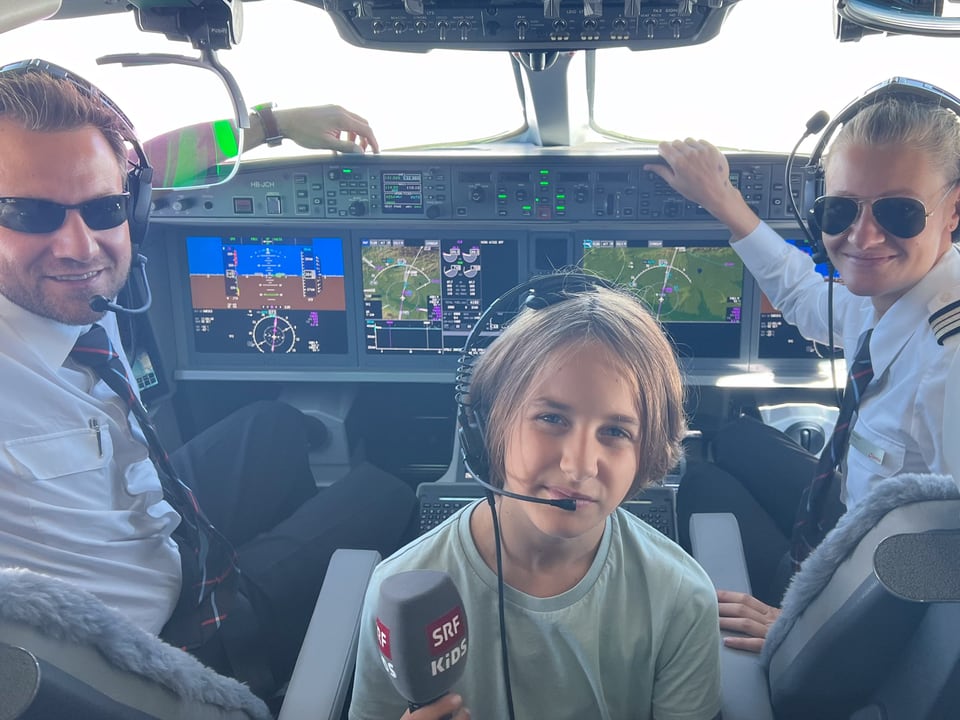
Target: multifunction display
694, 289
424, 295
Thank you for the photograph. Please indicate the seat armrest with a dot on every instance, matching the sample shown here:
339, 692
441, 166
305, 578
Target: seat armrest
717, 547
321, 678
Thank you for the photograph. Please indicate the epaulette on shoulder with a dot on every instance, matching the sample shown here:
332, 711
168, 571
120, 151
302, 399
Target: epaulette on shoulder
945, 320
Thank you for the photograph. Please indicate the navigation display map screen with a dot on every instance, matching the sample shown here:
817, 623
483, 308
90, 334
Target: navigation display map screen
694, 289
425, 295
780, 340
267, 294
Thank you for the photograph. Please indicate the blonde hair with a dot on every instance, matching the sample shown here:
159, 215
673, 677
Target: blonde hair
922, 126
503, 375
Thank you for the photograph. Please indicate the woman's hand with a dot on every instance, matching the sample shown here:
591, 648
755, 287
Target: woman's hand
700, 172
745, 614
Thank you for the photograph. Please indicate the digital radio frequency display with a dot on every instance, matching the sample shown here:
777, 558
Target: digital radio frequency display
267, 294
694, 289
402, 192
425, 295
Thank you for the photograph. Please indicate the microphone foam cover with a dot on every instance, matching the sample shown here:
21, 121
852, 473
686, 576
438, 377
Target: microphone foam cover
421, 632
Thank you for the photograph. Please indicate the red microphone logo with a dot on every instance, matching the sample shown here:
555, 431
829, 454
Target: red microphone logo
383, 642
447, 639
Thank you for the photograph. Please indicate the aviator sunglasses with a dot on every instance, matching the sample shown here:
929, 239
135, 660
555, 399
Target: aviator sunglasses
36, 216
904, 217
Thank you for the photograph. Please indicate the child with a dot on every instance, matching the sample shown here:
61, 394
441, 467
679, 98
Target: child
605, 617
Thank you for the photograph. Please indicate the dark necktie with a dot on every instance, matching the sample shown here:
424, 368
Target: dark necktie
808, 530
210, 574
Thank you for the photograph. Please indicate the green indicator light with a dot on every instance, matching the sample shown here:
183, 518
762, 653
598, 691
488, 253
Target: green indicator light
561, 208
502, 196
544, 182
347, 171
544, 172
528, 207
561, 196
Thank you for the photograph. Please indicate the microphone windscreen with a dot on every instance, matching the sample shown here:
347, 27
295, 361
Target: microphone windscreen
817, 122
98, 303
421, 632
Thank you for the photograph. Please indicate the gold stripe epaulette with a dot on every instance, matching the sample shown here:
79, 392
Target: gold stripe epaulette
945, 322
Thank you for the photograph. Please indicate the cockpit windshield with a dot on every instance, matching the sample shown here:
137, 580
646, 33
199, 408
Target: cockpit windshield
751, 87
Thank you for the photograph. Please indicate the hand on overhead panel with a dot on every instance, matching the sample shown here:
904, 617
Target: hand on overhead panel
700, 172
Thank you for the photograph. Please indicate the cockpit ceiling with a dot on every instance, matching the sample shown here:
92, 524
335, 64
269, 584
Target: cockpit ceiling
513, 25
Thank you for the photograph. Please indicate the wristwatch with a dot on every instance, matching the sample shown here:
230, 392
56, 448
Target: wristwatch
268, 121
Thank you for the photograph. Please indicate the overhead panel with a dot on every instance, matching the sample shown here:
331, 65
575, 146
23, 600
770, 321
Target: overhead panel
422, 25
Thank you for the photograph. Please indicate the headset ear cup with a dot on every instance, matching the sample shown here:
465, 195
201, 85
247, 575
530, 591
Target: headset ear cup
469, 426
140, 187
819, 252
472, 444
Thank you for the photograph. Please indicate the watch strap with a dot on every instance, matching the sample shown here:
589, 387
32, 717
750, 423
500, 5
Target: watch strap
268, 121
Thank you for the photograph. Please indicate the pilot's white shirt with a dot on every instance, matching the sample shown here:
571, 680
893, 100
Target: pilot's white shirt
951, 422
900, 425
86, 512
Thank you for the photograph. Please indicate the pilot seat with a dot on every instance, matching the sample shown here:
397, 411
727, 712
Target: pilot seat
868, 628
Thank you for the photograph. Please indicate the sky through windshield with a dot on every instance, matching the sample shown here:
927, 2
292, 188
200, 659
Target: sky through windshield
773, 65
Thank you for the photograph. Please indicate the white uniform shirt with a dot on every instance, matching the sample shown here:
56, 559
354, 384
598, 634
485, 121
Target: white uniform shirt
951, 424
900, 424
88, 512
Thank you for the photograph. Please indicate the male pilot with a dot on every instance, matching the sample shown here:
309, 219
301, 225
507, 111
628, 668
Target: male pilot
80, 498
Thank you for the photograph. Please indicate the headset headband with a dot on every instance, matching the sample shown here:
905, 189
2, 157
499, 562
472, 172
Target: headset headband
45, 67
901, 87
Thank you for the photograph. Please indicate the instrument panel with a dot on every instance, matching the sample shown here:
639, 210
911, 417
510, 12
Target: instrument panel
527, 187
376, 268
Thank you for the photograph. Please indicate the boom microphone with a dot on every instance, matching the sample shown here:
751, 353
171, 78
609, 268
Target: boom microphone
100, 304
421, 634
817, 122
564, 504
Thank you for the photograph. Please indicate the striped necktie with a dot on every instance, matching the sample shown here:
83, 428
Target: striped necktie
808, 530
210, 574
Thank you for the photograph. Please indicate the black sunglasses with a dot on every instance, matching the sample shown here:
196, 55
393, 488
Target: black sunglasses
36, 216
901, 216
